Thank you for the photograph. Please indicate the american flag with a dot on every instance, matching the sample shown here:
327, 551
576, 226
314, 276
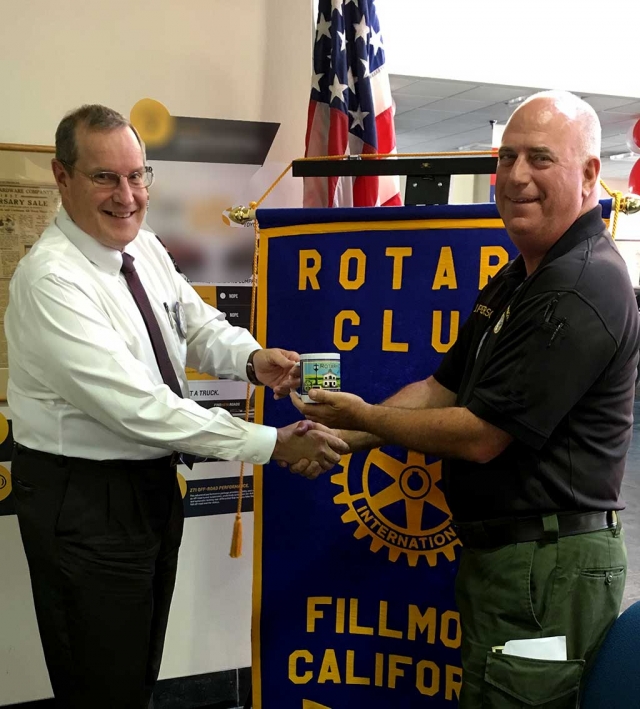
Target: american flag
351, 110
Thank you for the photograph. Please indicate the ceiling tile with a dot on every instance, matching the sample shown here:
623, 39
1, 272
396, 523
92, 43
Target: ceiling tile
605, 103
406, 140
406, 102
436, 115
422, 117
498, 112
455, 126
425, 143
398, 81
436, 87
632, 109
607, 118
459, 105
617, 139
615, 129
494, 94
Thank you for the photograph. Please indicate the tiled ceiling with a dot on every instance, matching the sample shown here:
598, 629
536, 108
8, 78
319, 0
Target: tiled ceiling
435, 115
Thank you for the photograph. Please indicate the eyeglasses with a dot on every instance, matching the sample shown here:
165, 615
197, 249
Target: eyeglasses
139, 179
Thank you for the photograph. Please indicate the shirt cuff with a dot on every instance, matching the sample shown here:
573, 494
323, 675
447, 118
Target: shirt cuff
259, 444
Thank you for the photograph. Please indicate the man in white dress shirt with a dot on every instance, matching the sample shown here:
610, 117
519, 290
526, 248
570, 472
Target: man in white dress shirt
97, 422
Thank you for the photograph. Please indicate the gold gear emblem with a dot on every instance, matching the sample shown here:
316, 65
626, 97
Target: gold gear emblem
399, 505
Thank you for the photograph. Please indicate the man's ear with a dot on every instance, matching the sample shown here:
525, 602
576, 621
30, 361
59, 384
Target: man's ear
590, 175
60, 174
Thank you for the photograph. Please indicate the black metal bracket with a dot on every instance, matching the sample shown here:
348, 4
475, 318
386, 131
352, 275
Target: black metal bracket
428, 179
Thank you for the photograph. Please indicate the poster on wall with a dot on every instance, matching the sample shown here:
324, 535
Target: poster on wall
25, 211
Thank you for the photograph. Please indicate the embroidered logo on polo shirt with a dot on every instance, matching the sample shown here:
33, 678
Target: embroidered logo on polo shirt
483, 310
503, 318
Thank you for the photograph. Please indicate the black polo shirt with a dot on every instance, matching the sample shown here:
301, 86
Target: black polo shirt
551, 359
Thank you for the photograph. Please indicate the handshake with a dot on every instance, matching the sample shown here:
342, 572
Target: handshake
316, 444
309, 448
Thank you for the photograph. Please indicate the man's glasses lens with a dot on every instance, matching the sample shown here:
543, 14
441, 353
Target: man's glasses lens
139, 179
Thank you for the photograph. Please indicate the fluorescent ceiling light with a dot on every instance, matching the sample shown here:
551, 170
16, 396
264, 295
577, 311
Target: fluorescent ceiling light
630, 157
515, 101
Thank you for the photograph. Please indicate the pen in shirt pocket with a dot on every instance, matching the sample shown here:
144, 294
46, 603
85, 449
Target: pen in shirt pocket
168, 311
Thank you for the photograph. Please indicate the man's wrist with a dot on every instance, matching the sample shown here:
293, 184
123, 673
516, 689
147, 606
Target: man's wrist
251, 370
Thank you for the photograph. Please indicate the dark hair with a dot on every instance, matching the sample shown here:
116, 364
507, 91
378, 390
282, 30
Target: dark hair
94, 117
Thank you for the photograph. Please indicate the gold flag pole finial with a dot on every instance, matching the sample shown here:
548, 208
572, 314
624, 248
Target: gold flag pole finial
630, 204
238, 215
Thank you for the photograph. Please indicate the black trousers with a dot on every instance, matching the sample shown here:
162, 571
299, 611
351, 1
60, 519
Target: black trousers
102, 541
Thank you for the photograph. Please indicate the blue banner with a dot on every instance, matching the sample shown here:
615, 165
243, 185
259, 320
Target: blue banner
354, 572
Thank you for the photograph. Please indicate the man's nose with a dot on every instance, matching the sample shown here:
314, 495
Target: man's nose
520, 172
123, 192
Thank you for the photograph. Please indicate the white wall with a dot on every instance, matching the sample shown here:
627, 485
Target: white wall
244, 60
584, 46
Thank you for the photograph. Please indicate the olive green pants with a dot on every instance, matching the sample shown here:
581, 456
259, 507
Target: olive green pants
571, 587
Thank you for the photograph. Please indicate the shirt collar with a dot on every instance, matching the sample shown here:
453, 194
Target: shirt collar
109, 260
588, 225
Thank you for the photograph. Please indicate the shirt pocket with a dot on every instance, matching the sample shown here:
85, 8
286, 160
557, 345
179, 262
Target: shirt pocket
512, 682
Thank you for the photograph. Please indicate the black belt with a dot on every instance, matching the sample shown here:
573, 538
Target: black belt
164, 462
491, 533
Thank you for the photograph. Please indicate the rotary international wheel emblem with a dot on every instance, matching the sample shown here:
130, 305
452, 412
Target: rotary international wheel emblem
399, 504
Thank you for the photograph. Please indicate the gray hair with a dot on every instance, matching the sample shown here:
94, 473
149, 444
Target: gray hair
95, 118
577, 109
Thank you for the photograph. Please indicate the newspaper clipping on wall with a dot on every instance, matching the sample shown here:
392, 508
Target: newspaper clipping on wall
25, 211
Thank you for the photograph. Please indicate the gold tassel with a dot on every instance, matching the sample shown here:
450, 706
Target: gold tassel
236, 539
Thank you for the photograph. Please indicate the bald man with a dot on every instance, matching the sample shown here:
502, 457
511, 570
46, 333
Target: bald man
531, 410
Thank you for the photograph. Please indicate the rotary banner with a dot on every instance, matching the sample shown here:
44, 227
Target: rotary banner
354, 571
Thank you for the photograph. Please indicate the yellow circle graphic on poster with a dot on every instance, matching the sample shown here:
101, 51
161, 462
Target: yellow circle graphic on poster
182, 484
5, 483
153, 122
4, 428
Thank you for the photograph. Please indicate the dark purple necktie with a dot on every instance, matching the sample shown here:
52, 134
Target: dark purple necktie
159, 348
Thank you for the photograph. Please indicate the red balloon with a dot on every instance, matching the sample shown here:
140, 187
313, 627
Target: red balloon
636, 134
634, 178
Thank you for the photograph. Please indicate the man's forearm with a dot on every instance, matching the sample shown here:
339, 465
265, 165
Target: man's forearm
424, 394
451, 432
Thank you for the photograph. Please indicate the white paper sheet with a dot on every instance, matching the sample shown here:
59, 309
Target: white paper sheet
554, 648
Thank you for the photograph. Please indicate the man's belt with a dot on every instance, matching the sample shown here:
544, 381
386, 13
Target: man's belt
167, 461
487, 534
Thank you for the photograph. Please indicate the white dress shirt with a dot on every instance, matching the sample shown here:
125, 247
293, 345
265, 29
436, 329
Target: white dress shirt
83, 378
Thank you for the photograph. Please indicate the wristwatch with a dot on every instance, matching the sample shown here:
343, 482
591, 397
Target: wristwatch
251, 370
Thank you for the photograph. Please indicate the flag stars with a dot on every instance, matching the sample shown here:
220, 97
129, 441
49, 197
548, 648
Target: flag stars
337, 5
367, 71
358, 117
337, 89
315, 81
323, 28
343, 40
362, 30
376, 42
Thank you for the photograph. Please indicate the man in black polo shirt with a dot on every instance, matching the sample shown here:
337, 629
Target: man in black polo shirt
531, 410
